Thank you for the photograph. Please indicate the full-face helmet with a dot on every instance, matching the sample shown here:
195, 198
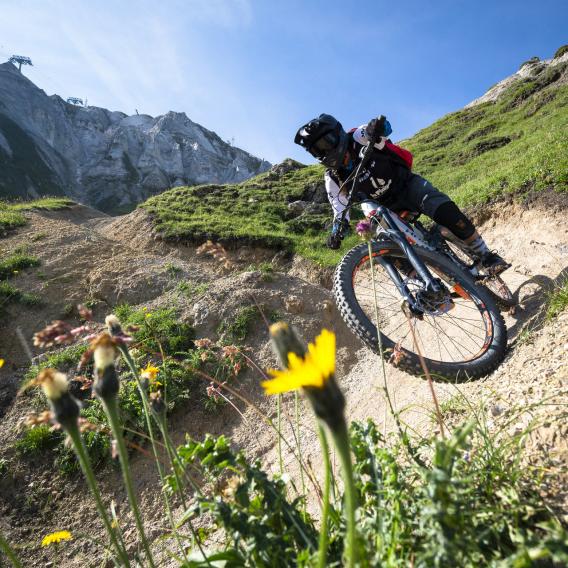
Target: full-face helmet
325, 139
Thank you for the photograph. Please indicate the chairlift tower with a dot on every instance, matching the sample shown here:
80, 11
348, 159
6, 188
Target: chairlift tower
20, 60
75, 101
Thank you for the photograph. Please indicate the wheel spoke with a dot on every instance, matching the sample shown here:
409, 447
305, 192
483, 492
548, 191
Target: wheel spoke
451, 337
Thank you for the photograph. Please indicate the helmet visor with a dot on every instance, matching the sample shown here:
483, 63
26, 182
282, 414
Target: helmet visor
324, 144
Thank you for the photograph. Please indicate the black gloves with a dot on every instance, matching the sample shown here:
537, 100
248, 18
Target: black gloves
338, 232
378, 127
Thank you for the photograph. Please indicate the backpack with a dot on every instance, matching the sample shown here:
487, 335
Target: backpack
400, 153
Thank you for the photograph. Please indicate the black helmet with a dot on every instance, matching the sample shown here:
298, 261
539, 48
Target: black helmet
325, 139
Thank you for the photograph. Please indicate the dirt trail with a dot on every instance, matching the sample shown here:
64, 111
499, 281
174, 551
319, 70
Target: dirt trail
539, 253
85, 256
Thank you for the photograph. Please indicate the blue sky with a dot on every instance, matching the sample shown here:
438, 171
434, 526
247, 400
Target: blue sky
255, 70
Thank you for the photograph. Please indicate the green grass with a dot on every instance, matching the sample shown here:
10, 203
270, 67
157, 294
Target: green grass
11, 212
42, 204
10, 265
10, 294
37, 440
557, 300
514, 145
192, 290
15, 262
10, 219
157, 328
62, 360
236, 329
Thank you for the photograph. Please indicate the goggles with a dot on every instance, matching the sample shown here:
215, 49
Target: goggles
324, 144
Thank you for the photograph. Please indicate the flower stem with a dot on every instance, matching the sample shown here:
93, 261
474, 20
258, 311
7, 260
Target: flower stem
85, 463
279, 416
169, 449
111, 409
428, 377
7, 550
298, 439
341, 439
380, 340
324, 537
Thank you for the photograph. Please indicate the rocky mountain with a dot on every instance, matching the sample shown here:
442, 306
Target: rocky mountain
105, 159
528, 71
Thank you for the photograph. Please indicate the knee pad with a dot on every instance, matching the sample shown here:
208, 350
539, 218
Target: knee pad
449, 215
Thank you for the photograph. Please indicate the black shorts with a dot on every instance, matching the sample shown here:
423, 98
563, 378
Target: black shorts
418, 194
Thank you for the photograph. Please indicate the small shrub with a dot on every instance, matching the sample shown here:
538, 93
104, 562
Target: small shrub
172, 269
160, 327
16, 262
37, 440
470, 503
561, 51
530, 61
237, 329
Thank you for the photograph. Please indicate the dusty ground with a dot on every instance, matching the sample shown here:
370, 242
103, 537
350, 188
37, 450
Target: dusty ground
85, 256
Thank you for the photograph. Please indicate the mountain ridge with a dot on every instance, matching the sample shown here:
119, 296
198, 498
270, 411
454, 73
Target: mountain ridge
104, 158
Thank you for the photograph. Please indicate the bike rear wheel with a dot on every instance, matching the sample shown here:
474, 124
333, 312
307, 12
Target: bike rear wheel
469, 341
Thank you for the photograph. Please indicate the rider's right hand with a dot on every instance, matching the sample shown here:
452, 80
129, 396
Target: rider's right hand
378, 127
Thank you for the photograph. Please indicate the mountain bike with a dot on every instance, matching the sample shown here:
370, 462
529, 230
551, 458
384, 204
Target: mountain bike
431, 299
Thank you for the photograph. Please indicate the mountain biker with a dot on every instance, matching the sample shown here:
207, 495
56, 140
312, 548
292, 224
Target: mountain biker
387, 179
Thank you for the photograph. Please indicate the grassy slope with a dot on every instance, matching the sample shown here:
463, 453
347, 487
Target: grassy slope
11, 212
530, 120
516, 144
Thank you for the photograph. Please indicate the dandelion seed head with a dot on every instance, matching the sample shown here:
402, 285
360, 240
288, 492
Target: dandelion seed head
105, 351
278, 327
53, 383
113, 324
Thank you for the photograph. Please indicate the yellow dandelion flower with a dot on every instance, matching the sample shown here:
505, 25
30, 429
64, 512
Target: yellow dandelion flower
2, 363
314, 370
56, 538
150, 372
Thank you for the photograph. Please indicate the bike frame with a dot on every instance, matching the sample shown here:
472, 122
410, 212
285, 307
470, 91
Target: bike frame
389, 229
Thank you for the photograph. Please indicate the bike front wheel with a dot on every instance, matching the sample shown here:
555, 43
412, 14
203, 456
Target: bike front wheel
467, 341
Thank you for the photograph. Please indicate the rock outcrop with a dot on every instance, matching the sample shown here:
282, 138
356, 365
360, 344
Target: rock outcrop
527, 71
105, 159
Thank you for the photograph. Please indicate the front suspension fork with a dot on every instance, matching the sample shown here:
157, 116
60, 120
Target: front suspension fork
431, 284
